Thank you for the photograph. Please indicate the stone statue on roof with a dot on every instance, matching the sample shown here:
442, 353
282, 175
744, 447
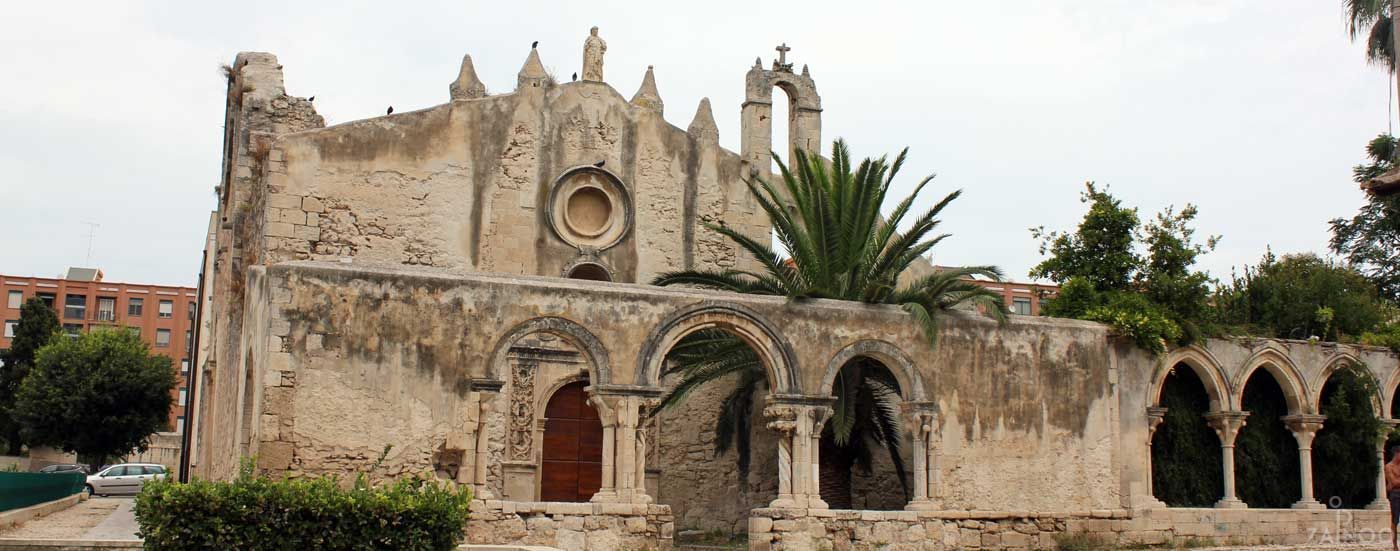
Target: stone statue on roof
593, 50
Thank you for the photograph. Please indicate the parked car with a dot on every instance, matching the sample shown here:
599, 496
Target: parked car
65, 468
124, 478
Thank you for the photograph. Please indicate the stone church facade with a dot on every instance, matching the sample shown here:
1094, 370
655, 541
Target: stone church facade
466, 283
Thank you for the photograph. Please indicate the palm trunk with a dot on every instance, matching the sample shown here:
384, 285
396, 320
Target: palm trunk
835, 475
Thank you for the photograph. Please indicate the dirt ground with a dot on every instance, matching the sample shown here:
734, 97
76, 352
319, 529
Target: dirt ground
72, 523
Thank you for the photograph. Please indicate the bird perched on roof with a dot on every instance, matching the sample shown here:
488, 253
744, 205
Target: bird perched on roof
312, 98
599, 164
534, 44
390, 111
575, 79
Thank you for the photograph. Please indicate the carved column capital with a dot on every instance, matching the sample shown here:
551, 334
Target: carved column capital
781, 418
1155, 416
819, 416
1304, 426
1227, 425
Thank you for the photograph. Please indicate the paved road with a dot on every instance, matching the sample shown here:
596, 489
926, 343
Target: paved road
96, 518
119, 525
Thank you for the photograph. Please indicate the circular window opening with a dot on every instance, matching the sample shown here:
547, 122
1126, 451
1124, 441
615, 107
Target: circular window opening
590, 272
589, 211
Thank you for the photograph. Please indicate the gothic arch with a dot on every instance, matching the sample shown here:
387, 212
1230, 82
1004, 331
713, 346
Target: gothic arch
1206, 368
1391, 386
1336, 362
911, 385
760, 334
599, 370
1285, 373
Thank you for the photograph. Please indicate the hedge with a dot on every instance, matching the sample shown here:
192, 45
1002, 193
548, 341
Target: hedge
257, 513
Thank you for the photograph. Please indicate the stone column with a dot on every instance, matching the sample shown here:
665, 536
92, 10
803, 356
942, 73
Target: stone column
920, 420
818, 417
481, 466
1227, 425
1382, 502
783, 419
645, 406
607, 490
1304, 429
1155, 416
466, 472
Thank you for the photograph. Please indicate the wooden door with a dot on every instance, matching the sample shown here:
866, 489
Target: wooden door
572, 468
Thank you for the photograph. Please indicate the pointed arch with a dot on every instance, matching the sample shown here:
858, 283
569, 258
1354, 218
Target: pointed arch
1286, 373
1206, 367
1389, 389
1337, 362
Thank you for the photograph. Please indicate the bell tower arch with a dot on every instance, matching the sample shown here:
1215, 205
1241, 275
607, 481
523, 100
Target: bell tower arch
804, 113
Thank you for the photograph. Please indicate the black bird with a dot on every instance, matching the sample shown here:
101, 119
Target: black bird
391, 110
575, 79
312, 98
534, 44
599, 164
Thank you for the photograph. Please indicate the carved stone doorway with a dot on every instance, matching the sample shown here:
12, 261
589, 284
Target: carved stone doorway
572, 458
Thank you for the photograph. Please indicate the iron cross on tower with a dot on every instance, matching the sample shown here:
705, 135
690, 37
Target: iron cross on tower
781, 63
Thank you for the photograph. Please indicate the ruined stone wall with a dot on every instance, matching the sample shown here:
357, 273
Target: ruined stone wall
258, 108
468, 186
572, 526
790, 530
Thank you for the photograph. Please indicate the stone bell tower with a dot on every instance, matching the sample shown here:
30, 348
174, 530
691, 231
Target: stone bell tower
804, 113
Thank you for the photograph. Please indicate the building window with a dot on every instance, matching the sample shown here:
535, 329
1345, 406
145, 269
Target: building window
10, 326
72, 329
106, 309
189, 343
48, 299
134, 306
180, 424
184, 366
135, 331
74, 307
183, 394
1021, 306
16, 299
191, 309
167, 309
162, 338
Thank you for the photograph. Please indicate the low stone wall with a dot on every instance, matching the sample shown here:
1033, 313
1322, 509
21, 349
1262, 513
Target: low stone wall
572, 526
805, 530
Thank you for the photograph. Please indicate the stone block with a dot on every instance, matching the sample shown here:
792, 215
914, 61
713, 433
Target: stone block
636, 525
284, 201
602, 540
760, 525
313, 220
290, 216
269, 428
275, 456
1015, 540
312, 204
539, 523
306, 232
569, 539
279, 229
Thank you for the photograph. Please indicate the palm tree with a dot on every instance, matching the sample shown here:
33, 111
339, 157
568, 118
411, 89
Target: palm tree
828, 218
1373, 18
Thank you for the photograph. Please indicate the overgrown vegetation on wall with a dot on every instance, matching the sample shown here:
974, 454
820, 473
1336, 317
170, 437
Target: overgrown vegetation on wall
254, 513
1186, 468
1299, 296
1266, 454
1344, 452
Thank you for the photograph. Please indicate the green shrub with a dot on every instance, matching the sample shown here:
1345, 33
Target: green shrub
258, 513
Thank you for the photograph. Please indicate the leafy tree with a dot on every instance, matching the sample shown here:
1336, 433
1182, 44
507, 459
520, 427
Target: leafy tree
1300, 296
1346, 445
842, 249
37, 325
1156, 298
1372, 18
1371, 239
100, 394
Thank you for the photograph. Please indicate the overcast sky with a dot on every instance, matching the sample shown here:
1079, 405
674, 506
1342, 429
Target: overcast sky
111, 112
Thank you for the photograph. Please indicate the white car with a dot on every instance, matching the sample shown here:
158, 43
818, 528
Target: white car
125, 478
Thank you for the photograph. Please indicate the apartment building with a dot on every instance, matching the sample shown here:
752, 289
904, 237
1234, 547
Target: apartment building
163, 315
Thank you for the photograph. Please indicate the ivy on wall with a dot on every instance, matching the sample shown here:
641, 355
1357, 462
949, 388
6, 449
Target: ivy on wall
1186, 468
1344, 453
1266, 454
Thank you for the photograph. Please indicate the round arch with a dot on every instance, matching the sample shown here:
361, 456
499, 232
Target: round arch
760, 334
1285, 373
1390, 388
1336, 363
911, 385
599, 369
1206, 368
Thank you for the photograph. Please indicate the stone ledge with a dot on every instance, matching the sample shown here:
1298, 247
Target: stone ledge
16, 516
